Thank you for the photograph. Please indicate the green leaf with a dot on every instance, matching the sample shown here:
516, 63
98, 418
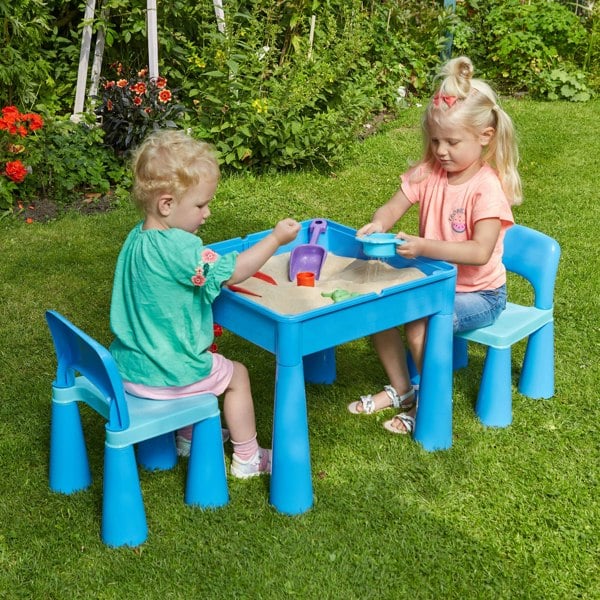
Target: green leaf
215, 74
234, 67
581, 97
243, 153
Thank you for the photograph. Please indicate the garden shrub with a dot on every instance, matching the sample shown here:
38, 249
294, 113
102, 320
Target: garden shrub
531, 47
24, 69
269, 98
70, 159
263, 110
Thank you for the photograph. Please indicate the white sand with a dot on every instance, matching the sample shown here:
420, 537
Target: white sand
338, 273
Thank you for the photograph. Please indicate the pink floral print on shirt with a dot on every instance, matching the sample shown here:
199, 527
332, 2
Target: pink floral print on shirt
207, 259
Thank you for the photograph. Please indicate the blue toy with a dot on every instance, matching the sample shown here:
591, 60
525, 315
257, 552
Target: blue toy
380, 245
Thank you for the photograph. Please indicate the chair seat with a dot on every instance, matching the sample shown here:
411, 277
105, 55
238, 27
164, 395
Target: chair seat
514, 324
147, 418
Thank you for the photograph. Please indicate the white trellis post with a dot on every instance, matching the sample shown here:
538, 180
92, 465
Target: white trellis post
84, 58
98, 53
152, 32
311, 36
220, 15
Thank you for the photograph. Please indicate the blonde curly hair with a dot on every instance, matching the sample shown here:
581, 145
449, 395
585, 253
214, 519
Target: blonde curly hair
170, 162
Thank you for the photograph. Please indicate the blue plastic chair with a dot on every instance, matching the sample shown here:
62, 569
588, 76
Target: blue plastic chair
534, 256
149, 424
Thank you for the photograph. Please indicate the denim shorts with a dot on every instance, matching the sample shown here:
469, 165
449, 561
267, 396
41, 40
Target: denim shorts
478, 309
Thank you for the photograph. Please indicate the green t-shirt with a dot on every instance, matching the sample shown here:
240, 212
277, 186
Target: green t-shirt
161, 314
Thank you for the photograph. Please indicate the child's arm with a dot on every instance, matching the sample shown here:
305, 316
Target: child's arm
476, 251
386, 216
251, 260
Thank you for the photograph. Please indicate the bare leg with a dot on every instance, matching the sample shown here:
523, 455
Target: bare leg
415, 337
238, 407
390, 349
248, 459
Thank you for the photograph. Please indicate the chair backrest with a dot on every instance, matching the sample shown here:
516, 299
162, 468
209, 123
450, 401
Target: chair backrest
78, 352
534, 256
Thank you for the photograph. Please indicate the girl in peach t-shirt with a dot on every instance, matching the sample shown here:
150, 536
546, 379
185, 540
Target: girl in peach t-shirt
464, 185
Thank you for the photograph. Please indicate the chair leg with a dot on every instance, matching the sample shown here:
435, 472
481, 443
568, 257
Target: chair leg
460, 353
123, 514
206, 484
537, 374
69, 468
494, 400
158, 453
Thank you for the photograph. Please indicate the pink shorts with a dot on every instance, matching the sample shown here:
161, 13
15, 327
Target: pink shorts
216, 383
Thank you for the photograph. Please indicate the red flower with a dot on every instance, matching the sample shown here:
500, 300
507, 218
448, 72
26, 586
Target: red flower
164, 96
161, 83
34, 121
122, 83
139, 88
109, 104
217, 330
16, 171
8, 126
137, 101
11, 113
213, 348
109, 85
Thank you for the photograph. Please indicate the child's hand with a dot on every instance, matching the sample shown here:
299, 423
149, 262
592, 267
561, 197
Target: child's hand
412, 247
286, 230
373, 227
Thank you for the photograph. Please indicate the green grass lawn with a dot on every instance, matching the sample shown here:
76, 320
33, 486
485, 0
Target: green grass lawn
505, 513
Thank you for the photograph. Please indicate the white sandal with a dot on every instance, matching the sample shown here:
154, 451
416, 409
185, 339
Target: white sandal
368, 404
406, 420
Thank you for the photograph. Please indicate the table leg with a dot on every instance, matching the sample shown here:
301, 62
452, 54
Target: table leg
291, 483
433, 427
320, 366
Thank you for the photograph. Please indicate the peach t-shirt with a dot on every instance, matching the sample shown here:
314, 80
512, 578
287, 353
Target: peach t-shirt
449, 213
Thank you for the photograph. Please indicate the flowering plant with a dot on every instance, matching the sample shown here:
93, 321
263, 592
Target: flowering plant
133, 105
14, 128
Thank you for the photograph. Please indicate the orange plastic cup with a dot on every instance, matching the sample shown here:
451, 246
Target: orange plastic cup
306, 279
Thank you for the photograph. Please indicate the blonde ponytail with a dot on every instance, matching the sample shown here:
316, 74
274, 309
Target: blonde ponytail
475, 104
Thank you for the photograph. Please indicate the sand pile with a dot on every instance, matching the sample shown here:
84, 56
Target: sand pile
338, 273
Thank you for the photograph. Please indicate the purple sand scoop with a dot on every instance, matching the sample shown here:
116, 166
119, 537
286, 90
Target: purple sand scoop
309, 257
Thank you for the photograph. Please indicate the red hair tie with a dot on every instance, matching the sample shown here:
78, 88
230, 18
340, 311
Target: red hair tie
448, 100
